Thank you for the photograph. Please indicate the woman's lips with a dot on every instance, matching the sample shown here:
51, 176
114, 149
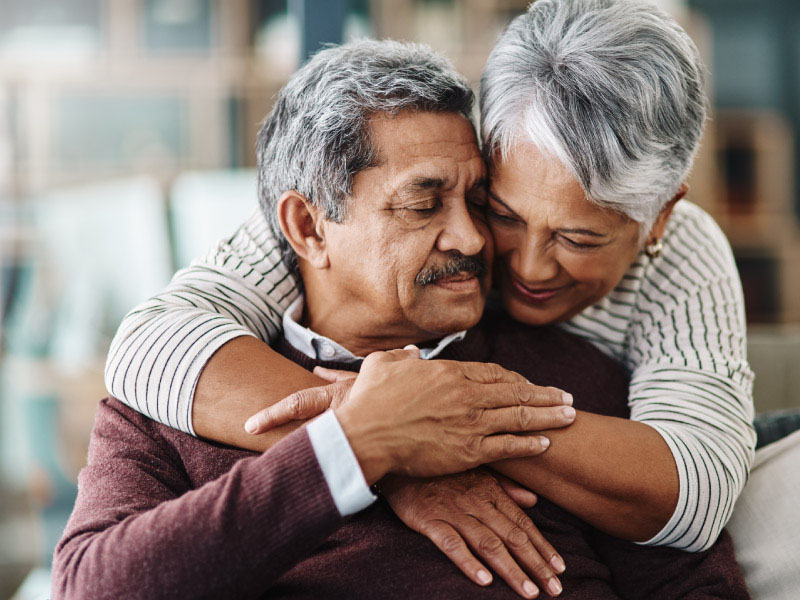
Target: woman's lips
535, 295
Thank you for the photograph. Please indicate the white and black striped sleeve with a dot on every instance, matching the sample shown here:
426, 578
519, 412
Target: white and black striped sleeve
240, 288
690, 376
678, 323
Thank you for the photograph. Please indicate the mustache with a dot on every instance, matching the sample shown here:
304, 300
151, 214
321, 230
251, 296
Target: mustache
456, 264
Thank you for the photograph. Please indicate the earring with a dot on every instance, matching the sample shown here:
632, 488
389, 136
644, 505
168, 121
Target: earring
653, 249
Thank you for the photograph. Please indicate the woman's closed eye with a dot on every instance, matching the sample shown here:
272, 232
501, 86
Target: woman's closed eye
579, 245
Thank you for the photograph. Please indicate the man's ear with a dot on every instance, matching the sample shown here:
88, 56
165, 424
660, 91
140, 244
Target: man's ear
301, 223
660, 225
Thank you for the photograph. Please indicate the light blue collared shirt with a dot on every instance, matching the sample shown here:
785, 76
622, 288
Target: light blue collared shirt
339, 465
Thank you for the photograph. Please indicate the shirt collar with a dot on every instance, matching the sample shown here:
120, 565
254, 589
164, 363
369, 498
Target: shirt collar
319, 347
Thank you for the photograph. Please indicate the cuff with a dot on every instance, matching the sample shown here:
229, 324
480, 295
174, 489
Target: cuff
339, 465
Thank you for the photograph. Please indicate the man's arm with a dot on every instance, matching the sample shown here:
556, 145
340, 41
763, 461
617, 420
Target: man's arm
139, 531
139, 525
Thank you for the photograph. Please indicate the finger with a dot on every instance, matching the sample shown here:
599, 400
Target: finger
304, 404
455, 548
524, 418
503, 446
522, 496
497, 395
488, 546
538, 555
520, 546
333, 375
488, 373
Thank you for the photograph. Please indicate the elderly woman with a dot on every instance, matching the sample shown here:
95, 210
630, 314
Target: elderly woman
592, 111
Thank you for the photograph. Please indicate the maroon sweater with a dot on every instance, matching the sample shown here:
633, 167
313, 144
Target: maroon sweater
163, 515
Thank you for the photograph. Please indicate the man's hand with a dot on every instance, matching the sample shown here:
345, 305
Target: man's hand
305, 404
472, 512
427, 418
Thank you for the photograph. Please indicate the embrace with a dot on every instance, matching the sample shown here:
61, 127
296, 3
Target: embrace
429, 367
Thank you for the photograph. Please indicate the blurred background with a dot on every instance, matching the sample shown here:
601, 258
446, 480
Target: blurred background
127, 130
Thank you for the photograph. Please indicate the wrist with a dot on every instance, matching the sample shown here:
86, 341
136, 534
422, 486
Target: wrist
372, 456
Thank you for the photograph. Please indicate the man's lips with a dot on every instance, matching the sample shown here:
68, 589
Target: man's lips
460, 282
534, 294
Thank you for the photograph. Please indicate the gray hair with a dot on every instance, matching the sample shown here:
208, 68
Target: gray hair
318, 137
612, 89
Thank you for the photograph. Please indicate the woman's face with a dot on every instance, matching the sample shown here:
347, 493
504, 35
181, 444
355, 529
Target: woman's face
557, 252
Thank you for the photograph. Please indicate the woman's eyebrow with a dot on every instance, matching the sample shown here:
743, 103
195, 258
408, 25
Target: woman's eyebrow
497, 199
588, 232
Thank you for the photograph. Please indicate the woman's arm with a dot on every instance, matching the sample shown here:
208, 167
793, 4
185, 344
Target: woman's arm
615, 474
231, 300
685, 345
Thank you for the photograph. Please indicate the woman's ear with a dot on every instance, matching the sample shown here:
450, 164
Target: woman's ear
301, 223
660, 225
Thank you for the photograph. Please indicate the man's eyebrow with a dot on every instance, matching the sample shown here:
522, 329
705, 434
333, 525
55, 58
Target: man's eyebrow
424, 184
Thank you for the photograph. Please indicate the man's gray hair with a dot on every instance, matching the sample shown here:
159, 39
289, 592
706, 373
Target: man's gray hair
612, 89
318, 137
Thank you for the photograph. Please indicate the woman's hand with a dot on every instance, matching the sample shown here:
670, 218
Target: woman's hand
474, 512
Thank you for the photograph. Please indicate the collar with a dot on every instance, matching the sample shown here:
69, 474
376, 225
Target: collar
319, 347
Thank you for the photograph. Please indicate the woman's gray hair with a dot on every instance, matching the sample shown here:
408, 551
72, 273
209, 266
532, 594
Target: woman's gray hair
612, 89
317, 136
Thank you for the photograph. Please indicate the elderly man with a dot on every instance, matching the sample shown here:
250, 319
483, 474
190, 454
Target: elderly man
396, 256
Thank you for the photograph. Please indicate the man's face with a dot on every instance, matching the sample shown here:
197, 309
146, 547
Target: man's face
411, 257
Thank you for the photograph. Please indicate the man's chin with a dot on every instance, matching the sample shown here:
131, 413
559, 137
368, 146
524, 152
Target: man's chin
446, 318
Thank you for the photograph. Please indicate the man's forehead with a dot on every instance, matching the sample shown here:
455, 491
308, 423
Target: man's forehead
427, 150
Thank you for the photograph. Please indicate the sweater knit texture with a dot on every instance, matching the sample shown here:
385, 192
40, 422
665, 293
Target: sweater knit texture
161, 514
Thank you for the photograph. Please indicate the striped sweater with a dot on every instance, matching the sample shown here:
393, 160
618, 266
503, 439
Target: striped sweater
677, 322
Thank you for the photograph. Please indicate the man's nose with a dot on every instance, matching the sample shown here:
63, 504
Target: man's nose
535, 262
461, 233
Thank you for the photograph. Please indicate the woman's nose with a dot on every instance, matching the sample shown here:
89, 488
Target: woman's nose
535, 262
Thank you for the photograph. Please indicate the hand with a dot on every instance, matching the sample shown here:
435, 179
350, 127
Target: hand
473, 510
305, 404
427, 418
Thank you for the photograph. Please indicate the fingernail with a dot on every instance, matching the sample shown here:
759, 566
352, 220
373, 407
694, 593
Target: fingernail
484, 577
529, 588
568, 412
558, 564
566, 398
553, 587
251, 426
545, 442
410, 347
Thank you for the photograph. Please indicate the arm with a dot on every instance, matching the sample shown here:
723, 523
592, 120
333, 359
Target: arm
615, 474
690, 387
137, 516
215, 319
136, 519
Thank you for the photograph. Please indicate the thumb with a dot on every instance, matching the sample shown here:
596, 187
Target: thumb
522, 496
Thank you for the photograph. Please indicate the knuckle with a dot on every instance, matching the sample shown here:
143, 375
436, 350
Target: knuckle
523, 417
541, 571
295, 404
509, 444
523, 521
473, 416
516, 538
520, 393
490, 544
473, 446
451, 543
